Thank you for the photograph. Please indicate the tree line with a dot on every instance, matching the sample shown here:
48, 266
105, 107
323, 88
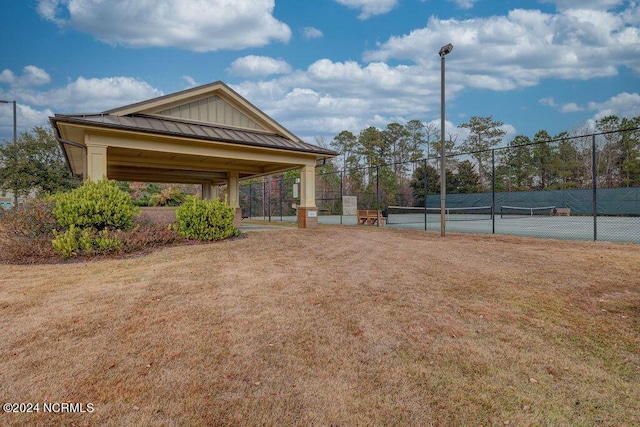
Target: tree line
401, 160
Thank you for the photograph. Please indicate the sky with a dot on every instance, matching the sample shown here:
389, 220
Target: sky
319, 67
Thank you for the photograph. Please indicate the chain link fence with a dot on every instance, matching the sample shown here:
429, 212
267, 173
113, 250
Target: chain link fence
584, 187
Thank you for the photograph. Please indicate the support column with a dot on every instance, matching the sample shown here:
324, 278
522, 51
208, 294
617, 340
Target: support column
209, 191
307, 211
206, 190
233, 196
96, 161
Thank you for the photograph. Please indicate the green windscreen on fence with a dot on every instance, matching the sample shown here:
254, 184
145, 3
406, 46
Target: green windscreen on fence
611, 201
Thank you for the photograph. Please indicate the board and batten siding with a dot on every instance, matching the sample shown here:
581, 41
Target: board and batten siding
212, 110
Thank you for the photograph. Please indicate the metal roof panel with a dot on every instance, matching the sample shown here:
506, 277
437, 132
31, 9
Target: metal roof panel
211, 132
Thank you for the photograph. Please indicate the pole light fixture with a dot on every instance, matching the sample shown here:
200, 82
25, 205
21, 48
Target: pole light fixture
444, 51
15, 126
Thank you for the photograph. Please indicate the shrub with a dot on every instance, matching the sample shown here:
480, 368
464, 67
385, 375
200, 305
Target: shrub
205, 219
30, 235
26, 233
86, 241
33, 220
68, 243
99, 205
105, 243
147, 235
170, 196
92, 215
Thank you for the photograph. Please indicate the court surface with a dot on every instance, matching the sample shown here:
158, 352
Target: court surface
609, 229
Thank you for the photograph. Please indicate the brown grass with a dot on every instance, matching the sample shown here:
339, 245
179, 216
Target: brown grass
334, 326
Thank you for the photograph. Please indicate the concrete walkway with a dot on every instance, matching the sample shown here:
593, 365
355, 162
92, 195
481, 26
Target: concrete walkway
259, 226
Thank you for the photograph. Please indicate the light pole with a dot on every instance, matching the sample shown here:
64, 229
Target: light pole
444, 51
15, 127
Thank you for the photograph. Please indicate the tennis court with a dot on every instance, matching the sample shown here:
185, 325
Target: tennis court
608, 228
584, 194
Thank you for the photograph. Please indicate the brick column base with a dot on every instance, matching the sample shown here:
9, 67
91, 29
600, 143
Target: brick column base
307, 217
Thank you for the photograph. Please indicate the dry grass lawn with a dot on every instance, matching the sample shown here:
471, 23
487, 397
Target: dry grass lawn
333, 326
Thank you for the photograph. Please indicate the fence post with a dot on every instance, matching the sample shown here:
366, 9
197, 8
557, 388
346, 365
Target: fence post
341, 194
281, 196
378, 190
493, 191
426, 192
594, 174
269, 193
250, 198
268, 196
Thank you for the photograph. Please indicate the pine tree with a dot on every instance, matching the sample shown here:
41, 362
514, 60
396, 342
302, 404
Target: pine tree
484, 133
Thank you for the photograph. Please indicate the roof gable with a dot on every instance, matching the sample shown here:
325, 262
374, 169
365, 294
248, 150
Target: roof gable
214, 103
206, 119
212, 110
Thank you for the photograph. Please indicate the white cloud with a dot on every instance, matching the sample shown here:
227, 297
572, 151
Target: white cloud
369, 8
511, 132
549, 102
31, 76
450, 130
623, 105
49, 10
27, 118
400, 79
311, 33
190, 81
464, 4
7, 77
329, 96
258, 66
80, 96
34, 76
523, 47
584, 4
91, 95
571, 107
202, 26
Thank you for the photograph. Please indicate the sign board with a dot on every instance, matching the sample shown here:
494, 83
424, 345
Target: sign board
5, 203
349, 205
312, 214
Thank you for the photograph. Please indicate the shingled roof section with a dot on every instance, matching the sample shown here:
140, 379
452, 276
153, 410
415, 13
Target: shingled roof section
204, 131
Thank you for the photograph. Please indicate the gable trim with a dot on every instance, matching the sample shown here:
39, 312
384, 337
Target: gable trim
153, 106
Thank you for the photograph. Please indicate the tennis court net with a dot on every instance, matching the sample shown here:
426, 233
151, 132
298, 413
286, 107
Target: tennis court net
523, 212
418, 214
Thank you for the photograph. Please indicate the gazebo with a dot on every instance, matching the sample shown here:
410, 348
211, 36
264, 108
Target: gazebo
207, 135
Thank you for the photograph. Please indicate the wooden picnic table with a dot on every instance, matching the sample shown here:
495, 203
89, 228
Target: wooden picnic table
562, 212
370, 217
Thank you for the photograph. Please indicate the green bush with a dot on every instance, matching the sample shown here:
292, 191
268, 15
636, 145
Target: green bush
70, 242
99, 205
205, 219
105, 243
86, 241
30, 234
